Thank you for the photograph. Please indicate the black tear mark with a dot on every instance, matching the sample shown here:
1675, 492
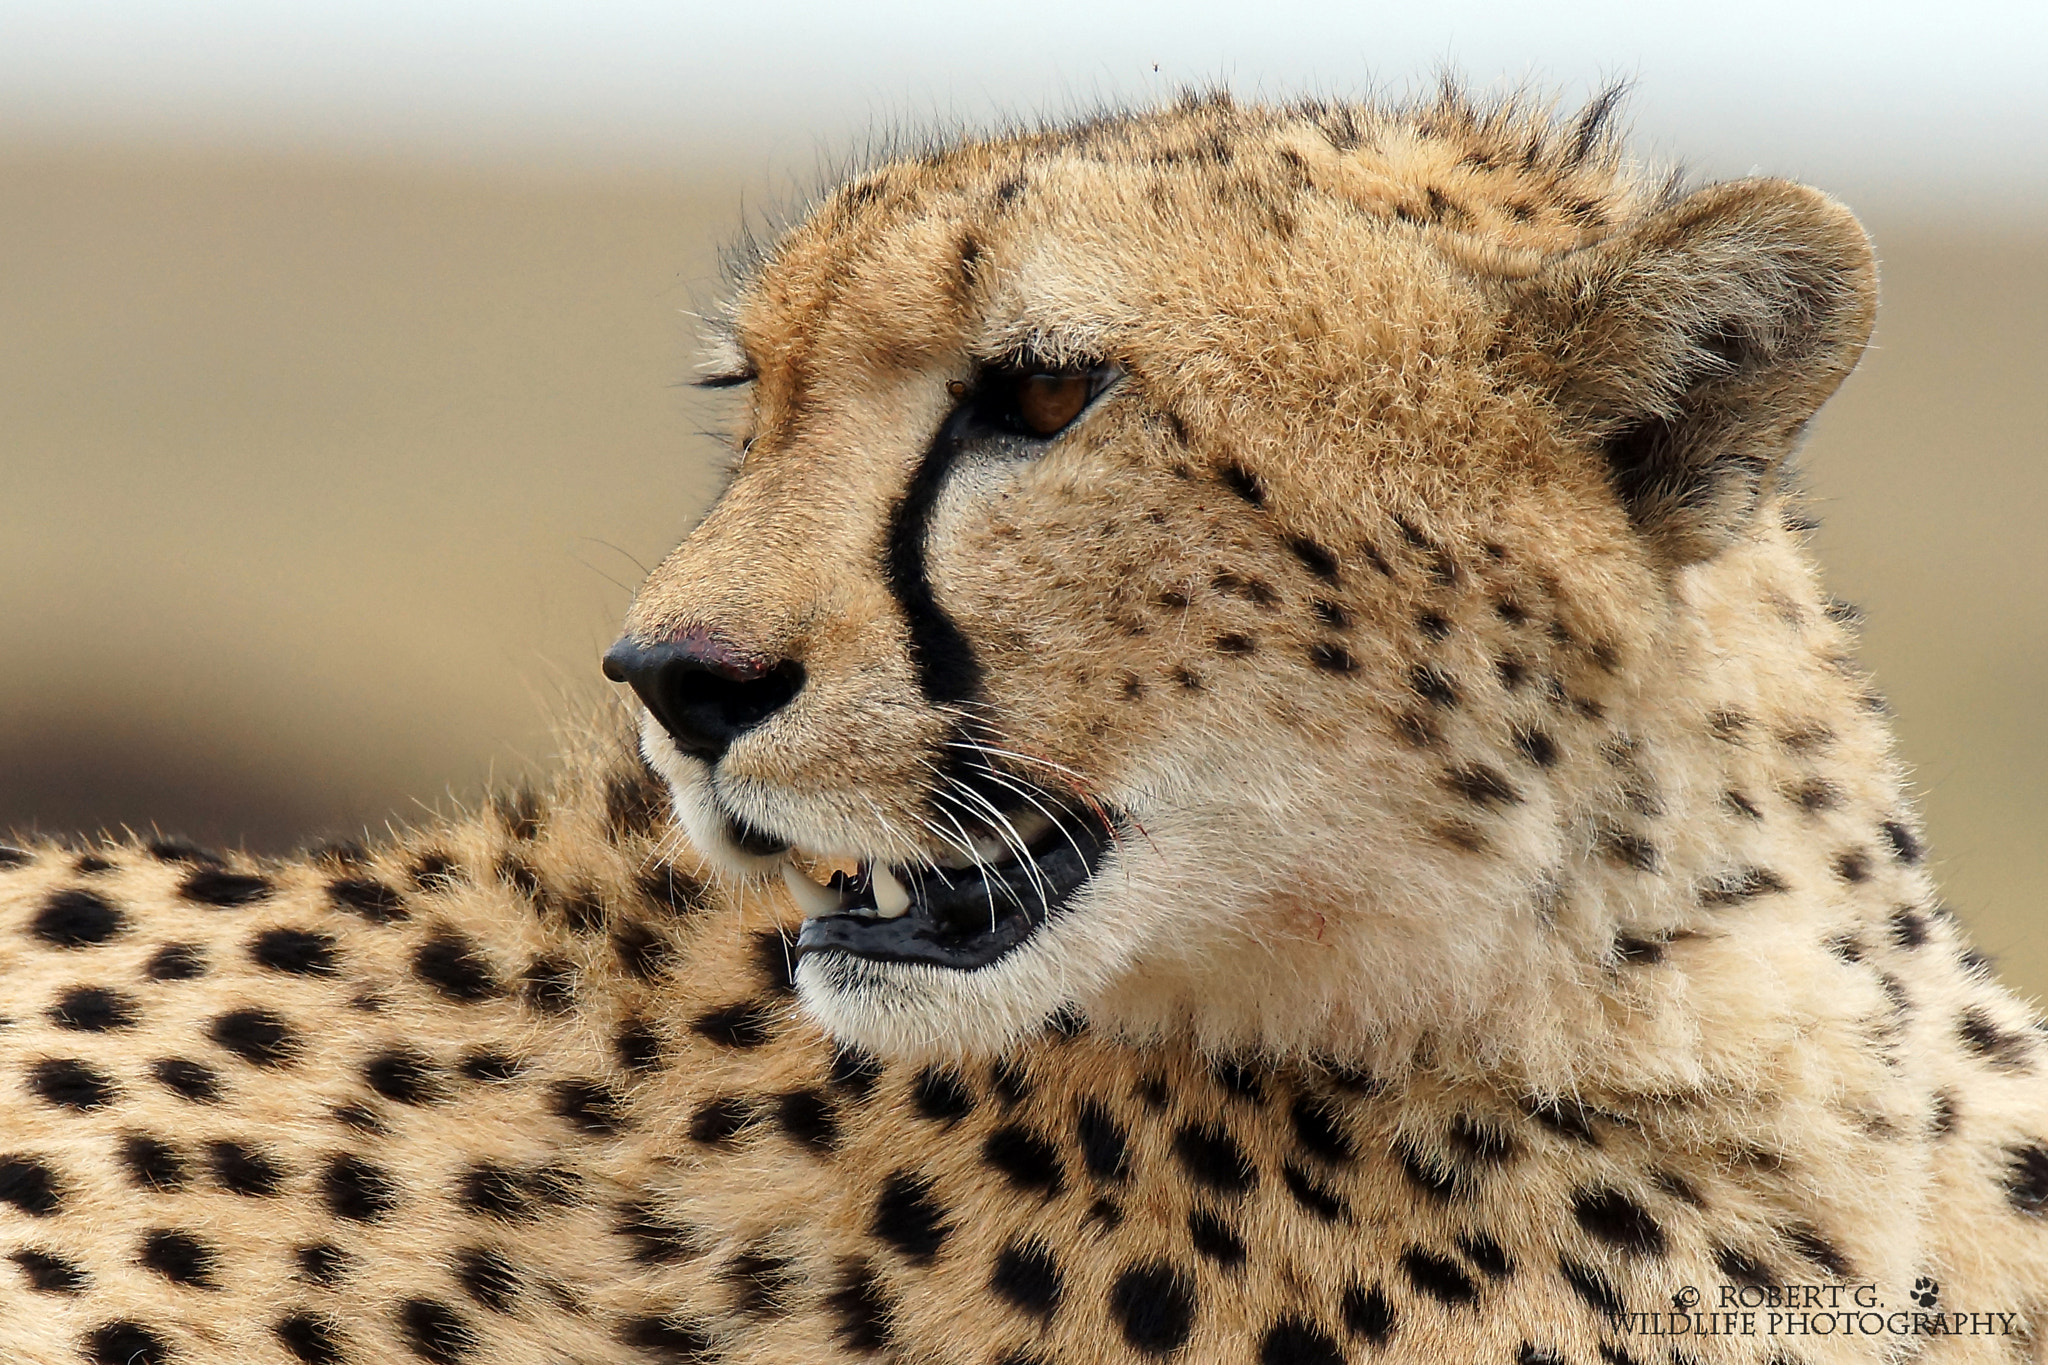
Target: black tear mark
947, 671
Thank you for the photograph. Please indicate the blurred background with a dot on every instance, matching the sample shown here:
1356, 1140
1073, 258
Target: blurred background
340, 348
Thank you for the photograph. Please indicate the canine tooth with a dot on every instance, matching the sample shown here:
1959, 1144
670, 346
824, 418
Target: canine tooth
812, 898
892, 898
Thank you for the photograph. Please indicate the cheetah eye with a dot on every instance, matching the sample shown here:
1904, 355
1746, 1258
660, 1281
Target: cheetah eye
1036, 403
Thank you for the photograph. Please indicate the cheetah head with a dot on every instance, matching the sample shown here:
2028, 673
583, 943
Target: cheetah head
1179, 568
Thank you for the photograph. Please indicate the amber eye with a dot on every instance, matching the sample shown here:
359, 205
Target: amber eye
1047, 402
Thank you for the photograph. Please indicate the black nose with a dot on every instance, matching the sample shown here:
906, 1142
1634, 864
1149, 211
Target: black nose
705, 693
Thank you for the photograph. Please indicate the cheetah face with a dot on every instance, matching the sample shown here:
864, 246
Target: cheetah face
1178, 596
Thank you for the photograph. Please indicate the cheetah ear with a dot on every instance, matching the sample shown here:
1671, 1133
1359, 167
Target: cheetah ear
1692, 348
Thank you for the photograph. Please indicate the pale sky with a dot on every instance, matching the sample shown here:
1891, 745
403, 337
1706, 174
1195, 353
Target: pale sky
1918, 101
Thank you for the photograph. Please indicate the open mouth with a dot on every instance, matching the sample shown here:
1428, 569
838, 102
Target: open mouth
964, 911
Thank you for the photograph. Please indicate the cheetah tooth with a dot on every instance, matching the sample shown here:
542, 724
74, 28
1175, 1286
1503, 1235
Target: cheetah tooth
892, 898
813, 899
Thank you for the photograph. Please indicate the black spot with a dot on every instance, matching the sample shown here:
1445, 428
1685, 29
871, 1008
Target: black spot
1314, 558
1814, 796
1909, 927
1106, 1212
360, 1118
72, 1084
488, 1278
1479, 1142
1209, 1154
1215, 1239
1239, 1080
93, 1009
30, 1186
47, 1274
670, 889
1012, 1083
1296, 1341
641, 951
1633, 951
2005, 1050
1565, 1116
309, 1337
1591, 1286
485, 1065
745, 1024
632, 804
10, 856
1318, 1126
671, 1339
1367, 1314
1330, 614
179, 851
1536, 746
589, 1106
372, 900
152, 1164
454, 965
760, 1281
176, 962
1027, 1159
179, 1257
855, 1071
302, 952
125, 1343
1438, 1277
187, 1080
243, 1170
1026, 1275
1485, 1253
2026, 1178
1155, 1305
719, 1120
435, 1331
657, 1239
863, 1313
1741, 805
772, 956
258, 1037
1332, 658
1325, 1203
1512, 672
1105, 1146
908, 1218
498, 1192
1629, 850
1852, 865
941, 1095
1619, 1221
1743, 884
406, 1076
1482, 786
225, 890
1742, 1268
322, 1263
357, 1190
1244, 483
1235, 644
76, 919
1905, 847
808, 1118
1433, 1177
549, 985
1943, 1121
1433, 685
1809, 1242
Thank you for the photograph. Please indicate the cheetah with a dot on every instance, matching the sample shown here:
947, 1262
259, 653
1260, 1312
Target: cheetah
1251, 769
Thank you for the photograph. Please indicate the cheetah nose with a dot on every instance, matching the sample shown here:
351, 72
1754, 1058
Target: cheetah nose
704, 692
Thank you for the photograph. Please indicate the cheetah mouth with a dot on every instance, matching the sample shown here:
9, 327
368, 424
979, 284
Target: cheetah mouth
962, 911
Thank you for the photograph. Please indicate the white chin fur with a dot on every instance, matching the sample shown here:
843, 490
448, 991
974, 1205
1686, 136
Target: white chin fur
689, 781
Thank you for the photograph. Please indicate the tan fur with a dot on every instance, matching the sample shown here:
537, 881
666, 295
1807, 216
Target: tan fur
1518, 902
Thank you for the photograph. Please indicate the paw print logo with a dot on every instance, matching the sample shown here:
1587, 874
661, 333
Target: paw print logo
1926, 1292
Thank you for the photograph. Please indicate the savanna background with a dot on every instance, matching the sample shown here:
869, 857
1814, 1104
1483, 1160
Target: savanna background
342, 351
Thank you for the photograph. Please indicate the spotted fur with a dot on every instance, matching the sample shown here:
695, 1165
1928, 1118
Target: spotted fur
1520, 916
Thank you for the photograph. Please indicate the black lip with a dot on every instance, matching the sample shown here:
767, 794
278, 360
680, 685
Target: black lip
974, 916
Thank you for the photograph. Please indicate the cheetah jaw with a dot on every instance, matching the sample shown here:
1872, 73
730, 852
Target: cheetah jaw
961, 911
